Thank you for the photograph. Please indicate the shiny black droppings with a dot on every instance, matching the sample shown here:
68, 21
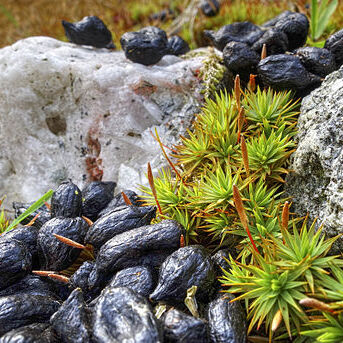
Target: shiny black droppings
95, 197
55, 255
146, 46
23, 309
66, 201
126, 249
240, 59
179, 327
26, 235
244, 32
15, 262
120, 220
33, 333
177, 46
119, 201
316, 60
71, 321
286, 72
295, 26
210, 7
335, 44
227, 320
276, 42
138, 279
120, 315
30, 284
188, 266
89, 31
21, 207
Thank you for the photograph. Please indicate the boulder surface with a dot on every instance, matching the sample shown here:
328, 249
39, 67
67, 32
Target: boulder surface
69, 111
316, 183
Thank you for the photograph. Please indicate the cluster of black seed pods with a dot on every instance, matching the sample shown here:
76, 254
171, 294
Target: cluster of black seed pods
274, 52
92, 267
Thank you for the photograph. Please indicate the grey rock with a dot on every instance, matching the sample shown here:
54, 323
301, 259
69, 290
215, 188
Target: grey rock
69, 111
316, 185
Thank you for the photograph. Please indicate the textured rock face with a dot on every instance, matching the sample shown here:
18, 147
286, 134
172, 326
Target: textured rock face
316, 184
69, 111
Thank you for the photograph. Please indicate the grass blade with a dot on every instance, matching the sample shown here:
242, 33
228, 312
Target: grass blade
39, 203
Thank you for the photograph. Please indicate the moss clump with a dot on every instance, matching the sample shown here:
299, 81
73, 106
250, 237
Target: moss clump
241, 139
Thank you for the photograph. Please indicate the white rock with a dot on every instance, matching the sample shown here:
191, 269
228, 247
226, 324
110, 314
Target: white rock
63, 106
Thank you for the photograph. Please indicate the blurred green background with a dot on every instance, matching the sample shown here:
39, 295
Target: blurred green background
24, 18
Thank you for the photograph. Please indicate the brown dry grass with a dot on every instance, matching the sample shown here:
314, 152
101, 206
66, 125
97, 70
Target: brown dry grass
24, 18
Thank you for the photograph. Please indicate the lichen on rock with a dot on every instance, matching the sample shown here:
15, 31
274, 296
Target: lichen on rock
316, 183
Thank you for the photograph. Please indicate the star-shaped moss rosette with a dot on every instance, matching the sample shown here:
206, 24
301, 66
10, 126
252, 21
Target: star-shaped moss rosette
236, 139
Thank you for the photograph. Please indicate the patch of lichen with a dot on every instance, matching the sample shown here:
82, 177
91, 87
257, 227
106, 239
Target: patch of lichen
213, 74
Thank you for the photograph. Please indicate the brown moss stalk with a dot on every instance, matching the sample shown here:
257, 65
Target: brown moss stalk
242, 215
59, 277
316, 304
264, 52
245, 155
42, 272
285, 216
276, 320
32, 221
87, 220
240, 120
252, 82
167, 157
152, 187
182, 241
69, 242
126, 199
237, 91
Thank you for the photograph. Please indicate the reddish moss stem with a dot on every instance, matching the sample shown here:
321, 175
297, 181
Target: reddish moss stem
242, 215
126, 199
152, 187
